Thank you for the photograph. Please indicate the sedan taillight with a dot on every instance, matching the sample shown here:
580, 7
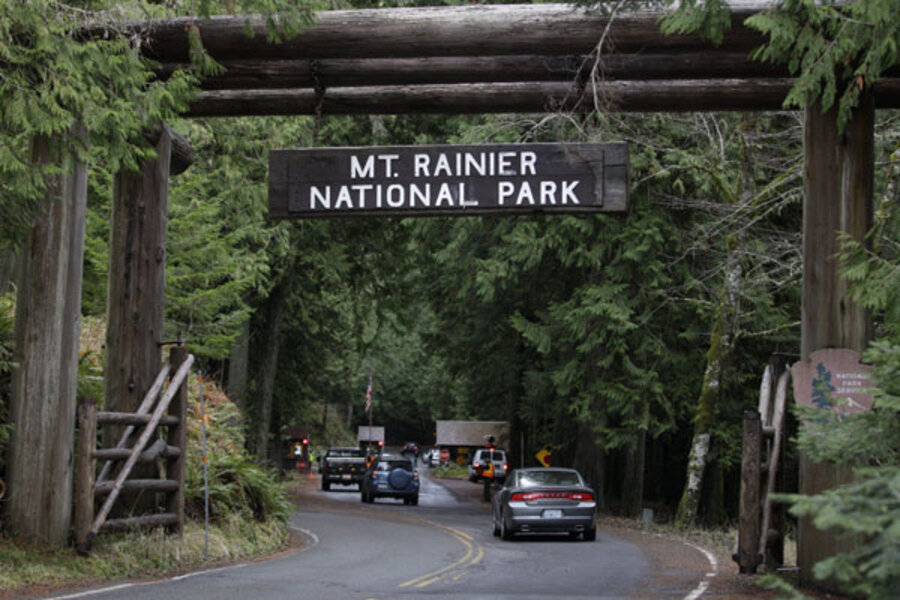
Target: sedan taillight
531, 496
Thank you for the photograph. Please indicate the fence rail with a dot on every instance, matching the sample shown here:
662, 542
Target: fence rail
122, 458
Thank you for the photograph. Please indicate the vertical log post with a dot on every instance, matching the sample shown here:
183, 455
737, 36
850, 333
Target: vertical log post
178, 437
48, 320
137, 271
838, 189
84, 474
748, 557
137, 264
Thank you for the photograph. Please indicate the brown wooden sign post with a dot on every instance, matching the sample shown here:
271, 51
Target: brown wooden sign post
491, 179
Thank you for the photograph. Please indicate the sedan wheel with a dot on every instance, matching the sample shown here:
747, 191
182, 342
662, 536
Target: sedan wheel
496, 531
506, 533
589, 535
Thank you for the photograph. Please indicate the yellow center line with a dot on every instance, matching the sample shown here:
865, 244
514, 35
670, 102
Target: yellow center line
465, 539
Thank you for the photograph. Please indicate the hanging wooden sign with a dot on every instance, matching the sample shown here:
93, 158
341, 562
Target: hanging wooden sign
448, 180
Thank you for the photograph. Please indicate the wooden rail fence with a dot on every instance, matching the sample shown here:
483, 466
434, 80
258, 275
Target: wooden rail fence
140, 442
761, 522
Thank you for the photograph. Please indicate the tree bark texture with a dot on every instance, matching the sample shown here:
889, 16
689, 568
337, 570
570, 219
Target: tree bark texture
238, 365
590, 460
633, 481
136, 297
177, 437
7, 271
268, 367
683, 95
48, 321
838, 188
749, 526
248, 74
720, 346
86, 468
481, 30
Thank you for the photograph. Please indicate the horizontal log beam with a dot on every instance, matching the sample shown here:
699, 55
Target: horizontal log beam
480, 30
281, 74
138, 485
625, 96
137, 522
120, 418
182, 149
124, 453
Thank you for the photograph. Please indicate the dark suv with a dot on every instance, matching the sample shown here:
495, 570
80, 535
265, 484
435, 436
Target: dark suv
391, 477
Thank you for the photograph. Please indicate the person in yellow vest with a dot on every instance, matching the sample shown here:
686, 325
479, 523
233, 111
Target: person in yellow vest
487, 475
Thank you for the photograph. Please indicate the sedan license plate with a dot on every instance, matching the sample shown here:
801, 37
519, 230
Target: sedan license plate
551, 513
346, 476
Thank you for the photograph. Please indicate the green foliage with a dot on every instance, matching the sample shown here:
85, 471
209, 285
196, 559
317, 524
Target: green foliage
56, 82
237, 485
709, 18
868, 509
838, 50
222, 250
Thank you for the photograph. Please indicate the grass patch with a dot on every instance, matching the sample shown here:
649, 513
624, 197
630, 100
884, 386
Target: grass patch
450, 471
139, 554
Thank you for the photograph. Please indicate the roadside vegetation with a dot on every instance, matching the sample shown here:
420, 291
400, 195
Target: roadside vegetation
450, 471
248, 503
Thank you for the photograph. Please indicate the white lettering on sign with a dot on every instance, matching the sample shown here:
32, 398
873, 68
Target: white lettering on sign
472, 164
448, 179
549, 193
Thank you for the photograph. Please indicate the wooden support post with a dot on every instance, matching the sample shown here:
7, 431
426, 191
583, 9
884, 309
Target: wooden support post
137, 280
178, 437
84, 474
48, 321
838, 184
748, 557
137, 263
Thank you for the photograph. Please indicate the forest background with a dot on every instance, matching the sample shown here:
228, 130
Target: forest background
593, 334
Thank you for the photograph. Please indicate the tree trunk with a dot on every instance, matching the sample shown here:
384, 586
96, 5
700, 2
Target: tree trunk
136, 305
633, 482
238, 365
590, 460
268, 368
838, 186
720, 346
7, 271
48, 321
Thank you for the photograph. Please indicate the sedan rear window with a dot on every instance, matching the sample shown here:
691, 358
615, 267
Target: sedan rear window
551, 478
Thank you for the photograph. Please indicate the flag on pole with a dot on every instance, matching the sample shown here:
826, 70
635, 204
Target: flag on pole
369, 395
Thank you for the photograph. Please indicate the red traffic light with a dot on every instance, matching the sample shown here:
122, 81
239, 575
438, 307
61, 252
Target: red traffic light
305, 441
380, 443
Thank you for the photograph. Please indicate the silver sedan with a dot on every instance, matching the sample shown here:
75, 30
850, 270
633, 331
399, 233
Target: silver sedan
545, 500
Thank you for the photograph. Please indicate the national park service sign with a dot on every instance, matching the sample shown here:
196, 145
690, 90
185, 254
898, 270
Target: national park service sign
448, 180
833, 379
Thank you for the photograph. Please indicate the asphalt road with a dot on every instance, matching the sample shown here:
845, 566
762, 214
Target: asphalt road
442, 548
